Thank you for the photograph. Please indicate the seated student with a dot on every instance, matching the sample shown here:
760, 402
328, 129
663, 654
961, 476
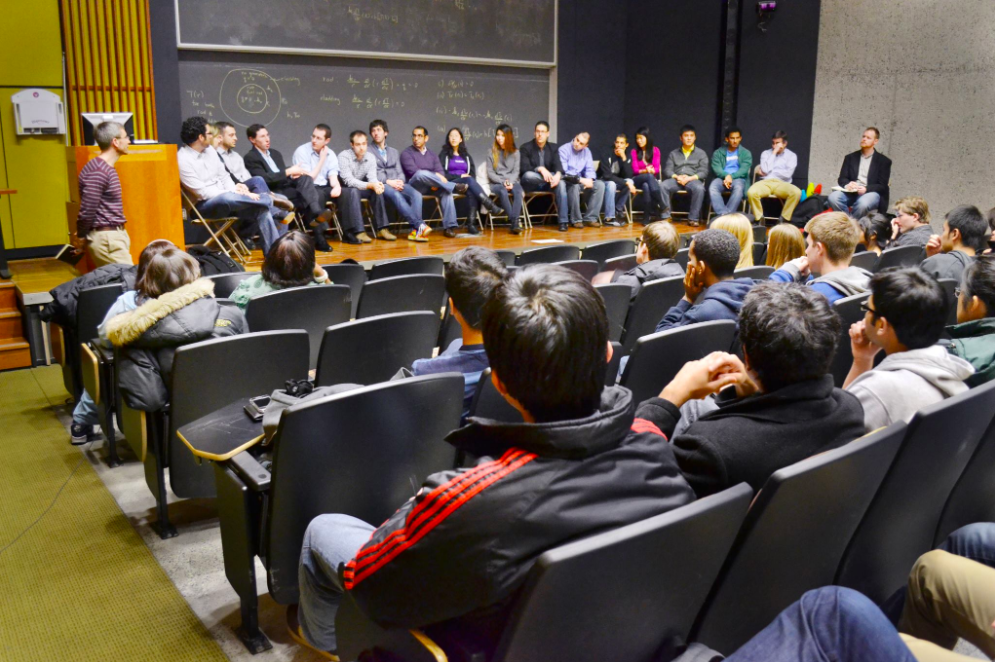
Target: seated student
831, 239
965, 234
578, 176
282, 208
784, 243
616, 168
458, 166
85, 414
658, 246
776, 169
738, 226
710, 291
358, 172
973, 337
424, 172
290, 263
503, 173
783, 407
875, 232
321, 164
582, 461
406, 200
911, 226
541, 169
686, 170
647, 169
731, 166
175, 307
471, 276
904, 317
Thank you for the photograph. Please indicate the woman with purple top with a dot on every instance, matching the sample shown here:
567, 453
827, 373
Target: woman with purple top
646, 166
458, 167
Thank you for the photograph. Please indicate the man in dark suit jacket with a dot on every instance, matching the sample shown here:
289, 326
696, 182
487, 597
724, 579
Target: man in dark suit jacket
293, 182
865, 178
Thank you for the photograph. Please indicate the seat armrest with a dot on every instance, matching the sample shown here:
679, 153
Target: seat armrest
248, 469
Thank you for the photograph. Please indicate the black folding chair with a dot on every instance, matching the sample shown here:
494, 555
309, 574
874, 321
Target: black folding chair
588, 269
620, 263
867, 260
313, 308
850, 313
488, 403
682, 258
401, 294
793, 537
663, 566
903, 256
604, 250
427, 264
450, 329
353, 275
973, 497
651, 304
760, 234
617, 298
756, 273
950, 287
91, 308
225, 284
507, 255
902, 520
548, 254
373, 349
656, 358
360, 453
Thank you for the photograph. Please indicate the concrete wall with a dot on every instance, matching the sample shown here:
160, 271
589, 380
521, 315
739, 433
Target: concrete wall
922, 71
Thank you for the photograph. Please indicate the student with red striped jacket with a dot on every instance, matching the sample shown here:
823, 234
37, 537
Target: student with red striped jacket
583, 461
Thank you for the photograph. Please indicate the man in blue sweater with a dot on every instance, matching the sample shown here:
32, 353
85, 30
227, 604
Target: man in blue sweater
710, 291
825, 267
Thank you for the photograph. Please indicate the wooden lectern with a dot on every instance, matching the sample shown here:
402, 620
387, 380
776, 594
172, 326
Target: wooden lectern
150, 189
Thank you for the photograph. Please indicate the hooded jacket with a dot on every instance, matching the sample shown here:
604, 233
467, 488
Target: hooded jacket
149, 335
721, 301
975, 343
466, 542
647, 271
62, 309
834, 286
905, 382
947, 265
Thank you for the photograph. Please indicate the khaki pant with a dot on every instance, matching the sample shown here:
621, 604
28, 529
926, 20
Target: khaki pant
949, 597
109, 247
790, 194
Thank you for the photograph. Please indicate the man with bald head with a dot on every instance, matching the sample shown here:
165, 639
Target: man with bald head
579, 176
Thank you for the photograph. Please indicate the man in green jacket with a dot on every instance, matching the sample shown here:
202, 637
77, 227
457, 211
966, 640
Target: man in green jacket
974, 334
731, 166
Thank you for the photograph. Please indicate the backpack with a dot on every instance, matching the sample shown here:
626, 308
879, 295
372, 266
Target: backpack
213, 262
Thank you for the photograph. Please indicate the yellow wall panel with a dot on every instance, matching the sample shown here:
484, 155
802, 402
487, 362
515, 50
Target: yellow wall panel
30, 43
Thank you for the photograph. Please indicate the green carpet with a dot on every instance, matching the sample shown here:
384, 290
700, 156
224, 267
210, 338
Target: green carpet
80, 584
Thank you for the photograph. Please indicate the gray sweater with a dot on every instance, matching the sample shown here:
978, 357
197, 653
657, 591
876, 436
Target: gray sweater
947, 265
918, 236
507, 168
696, 164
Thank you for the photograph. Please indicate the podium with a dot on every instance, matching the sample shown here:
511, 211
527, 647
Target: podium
150, 190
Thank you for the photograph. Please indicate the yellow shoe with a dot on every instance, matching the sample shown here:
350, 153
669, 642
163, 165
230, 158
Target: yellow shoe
421, 235
294, 629
288, 219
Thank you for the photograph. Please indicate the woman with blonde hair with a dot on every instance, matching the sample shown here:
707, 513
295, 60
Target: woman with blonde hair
739, 226
784, 243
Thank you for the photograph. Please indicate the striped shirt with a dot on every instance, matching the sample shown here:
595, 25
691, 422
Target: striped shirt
100, 203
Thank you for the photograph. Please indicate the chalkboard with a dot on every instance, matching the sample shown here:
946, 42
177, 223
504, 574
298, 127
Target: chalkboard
289, 98
502, 32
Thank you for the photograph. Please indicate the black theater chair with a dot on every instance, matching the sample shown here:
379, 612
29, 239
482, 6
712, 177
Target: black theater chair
313, 308
401, 294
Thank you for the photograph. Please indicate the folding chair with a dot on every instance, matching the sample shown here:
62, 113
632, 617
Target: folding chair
756, 175
548, 254
222, 233
353, 275
588, 269
399, 294
426, 264
225, 284
551, 212
867, 260
903, 256
850, 313
620, 263
617, 298
651, 304
756, 273
312, 308
604, 250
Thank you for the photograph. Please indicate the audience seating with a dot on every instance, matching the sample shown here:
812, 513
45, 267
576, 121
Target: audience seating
682, 258
91, 308
548, 254
655, 359
973, 497
616, 297
620, 263
950, 287
601, 251
426, 264
373, 349
850, 313
400, 294
97, 372
206, 377
867, 260
759, 253
611, 374
488, 403
507, 255
902, 520
528, 215
793, 537
903, 256
758, 272
651, 578
450, 329
225, 284
652, 303
588, 269
313, 308
357, 453
353, 275
759, 233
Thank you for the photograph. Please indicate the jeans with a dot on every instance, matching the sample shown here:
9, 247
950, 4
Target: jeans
532, 181
258, 185
593, 197
428, 183
694, 187
510, 201
609, 204
241, 206
407, 202
731, 206
351, 205
857, 206
652, 196
85, 412
620, 201
330, 540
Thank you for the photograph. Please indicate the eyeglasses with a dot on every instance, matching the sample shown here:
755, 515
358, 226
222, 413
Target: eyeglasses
957, 292
865, 306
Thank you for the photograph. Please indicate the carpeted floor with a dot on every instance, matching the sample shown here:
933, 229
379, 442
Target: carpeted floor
79, 584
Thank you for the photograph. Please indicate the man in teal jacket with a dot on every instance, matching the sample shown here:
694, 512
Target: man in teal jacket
731, 166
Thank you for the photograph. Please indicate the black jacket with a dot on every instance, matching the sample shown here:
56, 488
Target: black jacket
149, 335
444, 158
62, 309
614, 168
748, 439
644, 273
878, 175
257, 167
531, 159
465, 543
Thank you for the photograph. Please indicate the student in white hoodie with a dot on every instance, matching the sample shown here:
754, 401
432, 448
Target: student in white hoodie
904, 316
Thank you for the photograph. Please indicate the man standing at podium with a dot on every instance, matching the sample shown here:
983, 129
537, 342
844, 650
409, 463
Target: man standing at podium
100, 224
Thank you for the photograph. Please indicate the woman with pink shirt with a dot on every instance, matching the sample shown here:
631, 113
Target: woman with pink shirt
646, 166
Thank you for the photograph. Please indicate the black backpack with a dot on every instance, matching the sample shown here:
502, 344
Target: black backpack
213, 262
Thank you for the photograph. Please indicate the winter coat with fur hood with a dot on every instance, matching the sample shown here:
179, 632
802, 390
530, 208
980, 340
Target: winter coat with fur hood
149, 335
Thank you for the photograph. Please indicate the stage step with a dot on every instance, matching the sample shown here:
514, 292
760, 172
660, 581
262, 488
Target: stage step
10, 326
14, 354
8, 296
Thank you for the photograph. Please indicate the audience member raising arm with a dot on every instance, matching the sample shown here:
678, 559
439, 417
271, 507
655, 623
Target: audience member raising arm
965, 234
616, 171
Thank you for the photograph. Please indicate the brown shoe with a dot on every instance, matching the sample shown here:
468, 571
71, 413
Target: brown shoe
386, 235
283, 203
364, 238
